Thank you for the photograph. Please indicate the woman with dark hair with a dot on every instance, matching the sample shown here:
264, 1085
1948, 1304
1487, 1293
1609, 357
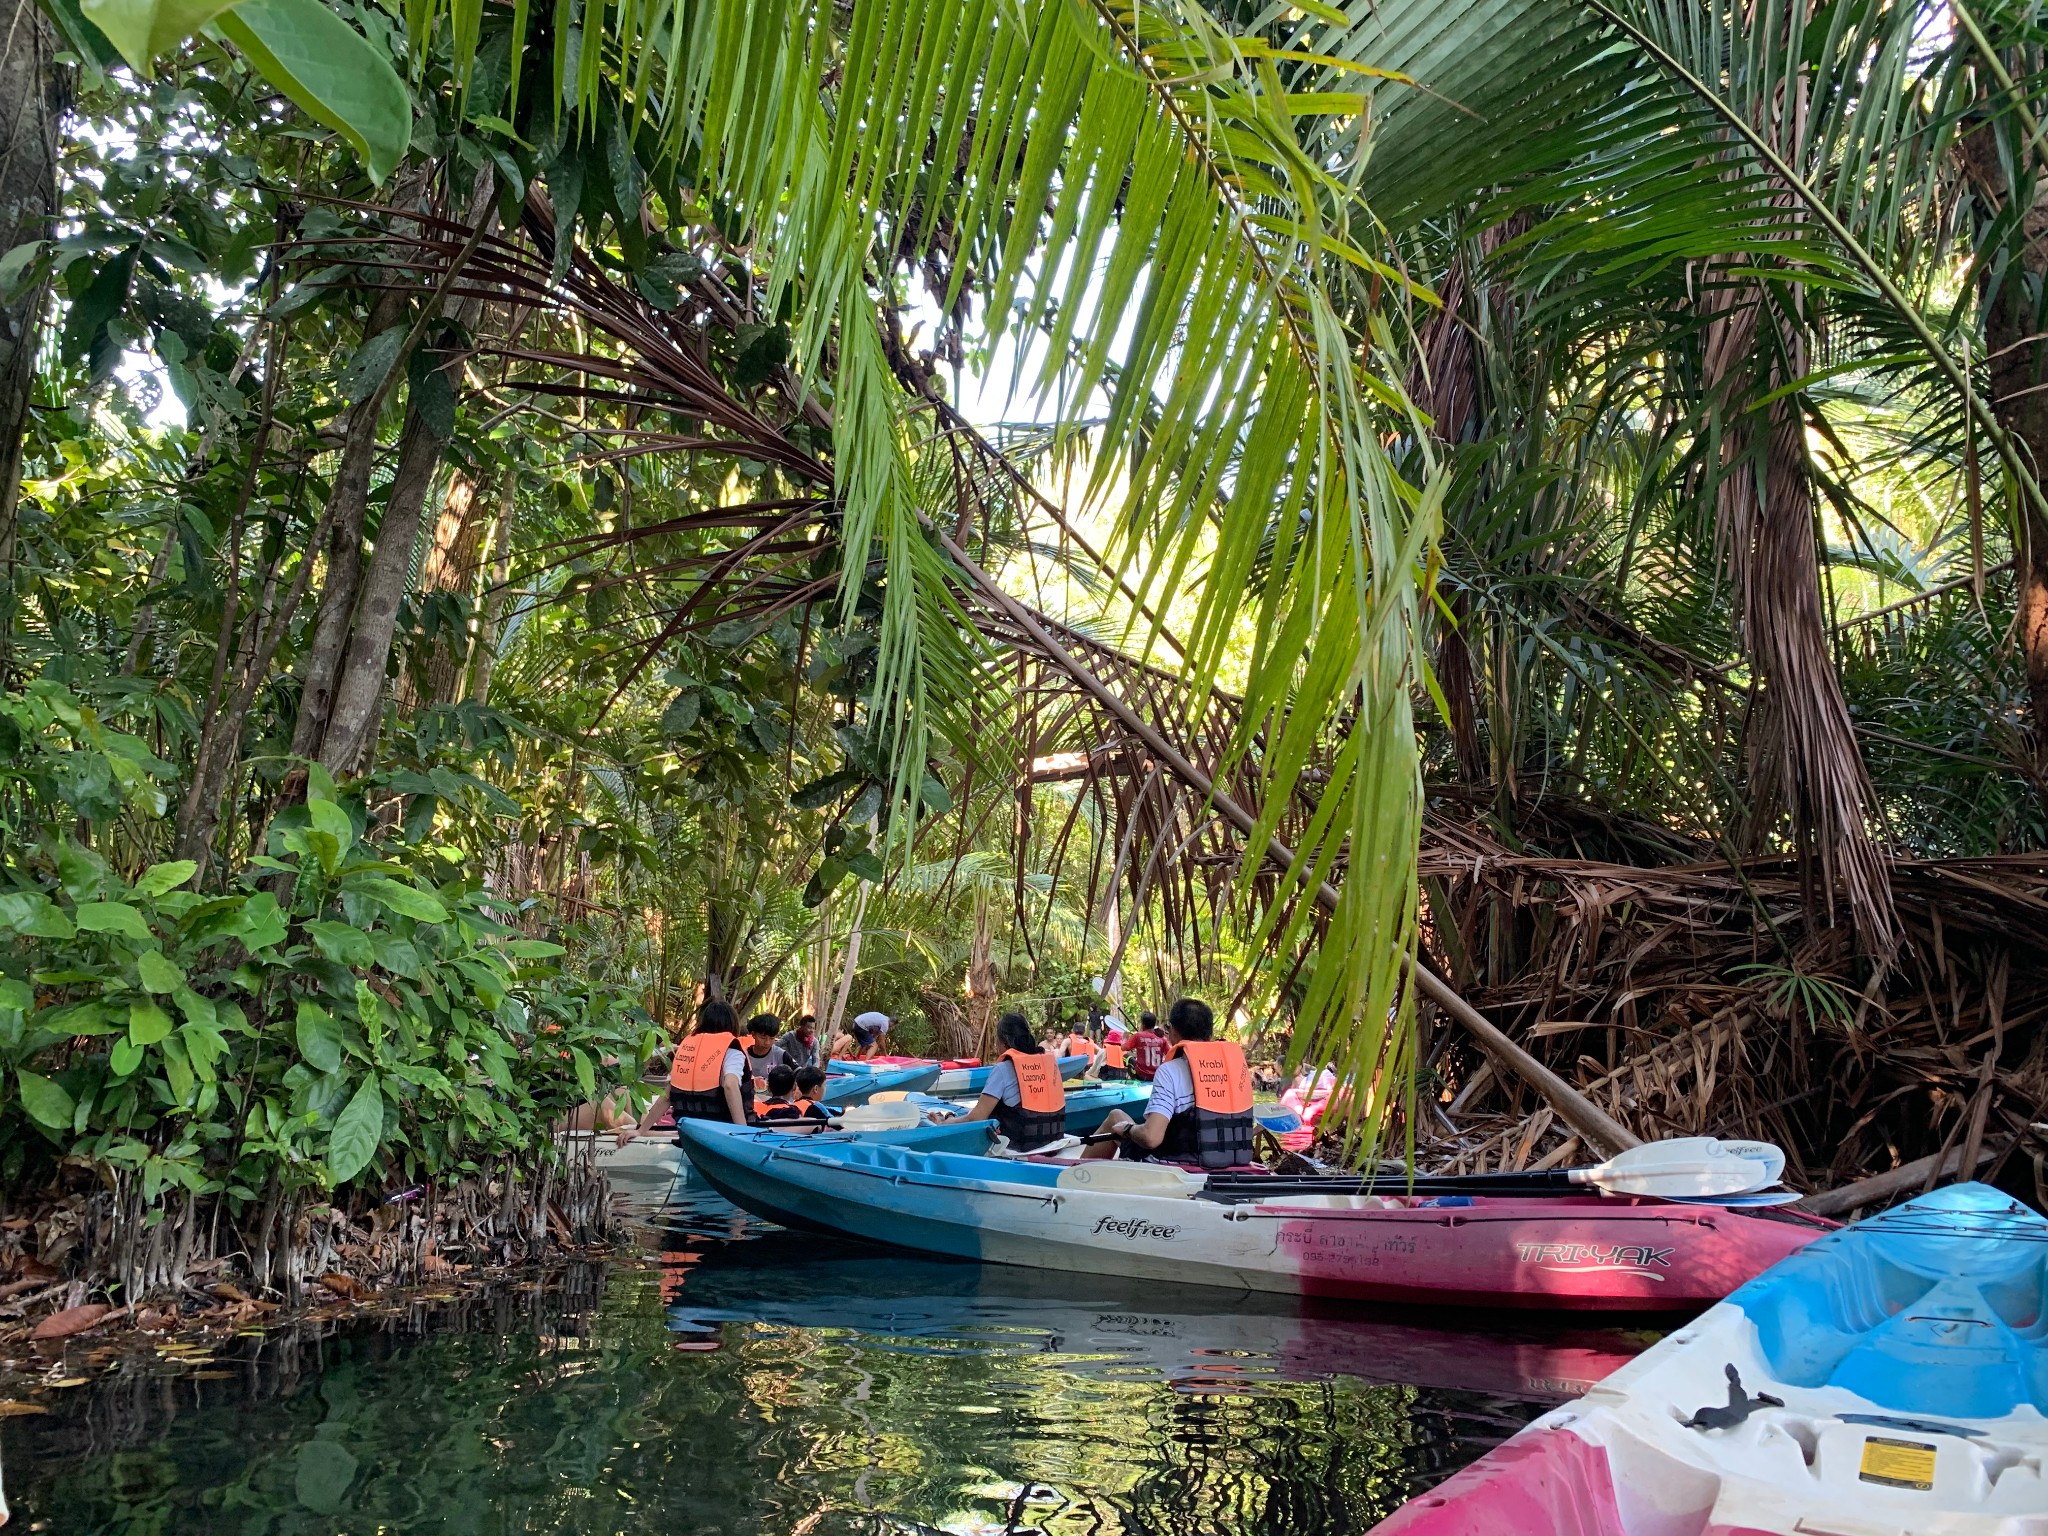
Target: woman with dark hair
1023, 1094
708, 1079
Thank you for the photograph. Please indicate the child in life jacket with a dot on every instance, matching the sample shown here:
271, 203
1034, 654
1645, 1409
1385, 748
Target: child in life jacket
780, 1102
810, 1093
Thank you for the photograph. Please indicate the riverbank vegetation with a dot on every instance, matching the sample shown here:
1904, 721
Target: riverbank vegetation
497, 539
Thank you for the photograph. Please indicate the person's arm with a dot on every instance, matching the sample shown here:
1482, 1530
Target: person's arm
984, 1108
1147, 1133
735, 1106
642, 1124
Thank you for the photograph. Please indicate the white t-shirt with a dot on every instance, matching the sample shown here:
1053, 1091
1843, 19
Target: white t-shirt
877, 1021
1173, 1089
734, 1064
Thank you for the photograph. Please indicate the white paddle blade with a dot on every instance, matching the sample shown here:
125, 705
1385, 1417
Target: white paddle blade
1684, 1165
1769, 1153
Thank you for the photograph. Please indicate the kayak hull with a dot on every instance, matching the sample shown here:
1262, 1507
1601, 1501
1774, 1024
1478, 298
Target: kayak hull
858, 1088
1568, 1253
1889, 1380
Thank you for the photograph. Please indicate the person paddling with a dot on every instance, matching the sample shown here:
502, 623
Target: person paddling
1023, 1094
1201, 1106
708, 1079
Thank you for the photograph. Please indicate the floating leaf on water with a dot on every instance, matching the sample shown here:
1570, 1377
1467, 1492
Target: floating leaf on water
10, 1409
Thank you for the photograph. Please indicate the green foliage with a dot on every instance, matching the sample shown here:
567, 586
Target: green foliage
350, 1011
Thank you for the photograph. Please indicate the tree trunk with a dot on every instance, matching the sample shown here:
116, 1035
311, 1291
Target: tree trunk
348, 503
497, 595
32, 102
358, 706
449, 567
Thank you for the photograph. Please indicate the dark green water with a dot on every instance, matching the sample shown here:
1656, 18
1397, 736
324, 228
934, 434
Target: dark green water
768, 1382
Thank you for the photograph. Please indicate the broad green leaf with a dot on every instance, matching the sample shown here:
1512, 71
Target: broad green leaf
158, 974
357, 1133
204, 1046
147, 1023
331, 71
343, 943
534, 949
325, 1470
159, 878
113, 917
34, 915
365, 371
197, 1008
260, 924
46, 1102
421, 906
319, 1038
331, 834
125, 1057
145, 30
586, 1076
177, 1070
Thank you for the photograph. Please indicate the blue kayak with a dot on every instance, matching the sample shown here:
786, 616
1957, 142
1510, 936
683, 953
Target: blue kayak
1890, 1378
953, 1082
1086, 1105
859, 1087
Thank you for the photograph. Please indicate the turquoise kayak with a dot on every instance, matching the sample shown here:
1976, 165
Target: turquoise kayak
953, 1082
1890, 1379
1087, 1105
859, 1087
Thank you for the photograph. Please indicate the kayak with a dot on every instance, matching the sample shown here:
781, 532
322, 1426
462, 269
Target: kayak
858, 1088
888, 1063
966, 1082
1886, 1380
1087, 1105
1581, 1252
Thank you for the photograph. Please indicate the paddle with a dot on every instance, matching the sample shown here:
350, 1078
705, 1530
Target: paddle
1698, 1167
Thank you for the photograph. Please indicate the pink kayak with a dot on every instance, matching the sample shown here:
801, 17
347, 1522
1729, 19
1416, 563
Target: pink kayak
1588, 1253
1887, 1380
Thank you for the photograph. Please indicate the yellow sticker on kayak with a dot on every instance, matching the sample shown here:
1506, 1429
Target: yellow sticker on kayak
1898, 1463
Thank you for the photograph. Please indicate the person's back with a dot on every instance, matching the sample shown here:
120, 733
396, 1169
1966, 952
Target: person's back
810, 1093
780, 1104
1148, 1048
705, 1061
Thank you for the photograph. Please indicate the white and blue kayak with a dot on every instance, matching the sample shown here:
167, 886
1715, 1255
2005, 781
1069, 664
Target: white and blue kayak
850, 1088
952, 1082
1152, 1222
1087, 1105
1889, 1379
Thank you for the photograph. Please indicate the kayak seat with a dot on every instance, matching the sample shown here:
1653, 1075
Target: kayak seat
1929, 1313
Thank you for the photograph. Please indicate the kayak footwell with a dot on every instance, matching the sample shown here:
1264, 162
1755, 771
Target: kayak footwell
1547, 1483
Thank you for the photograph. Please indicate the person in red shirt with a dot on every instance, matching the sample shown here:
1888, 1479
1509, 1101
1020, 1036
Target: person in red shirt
1147, 1048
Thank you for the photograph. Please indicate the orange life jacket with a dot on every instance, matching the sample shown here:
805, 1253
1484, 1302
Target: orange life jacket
1080, 1045
1217, 1131
697, 1063
1113, 1054
1040, 1113
696, 1081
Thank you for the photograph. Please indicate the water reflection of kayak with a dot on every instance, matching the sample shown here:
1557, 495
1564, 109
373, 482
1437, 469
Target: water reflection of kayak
1194, 1337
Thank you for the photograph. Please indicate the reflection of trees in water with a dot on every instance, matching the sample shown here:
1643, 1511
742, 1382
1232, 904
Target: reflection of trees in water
525, 1410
